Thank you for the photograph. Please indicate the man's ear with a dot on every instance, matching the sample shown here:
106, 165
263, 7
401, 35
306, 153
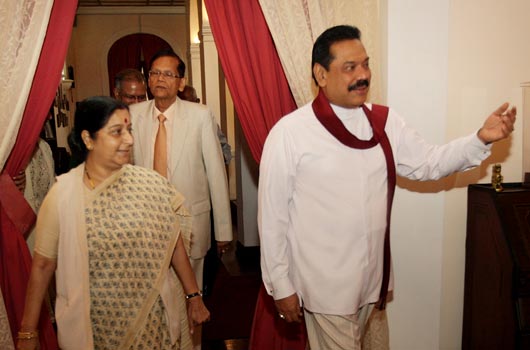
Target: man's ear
182, 84
320, 74
117, 93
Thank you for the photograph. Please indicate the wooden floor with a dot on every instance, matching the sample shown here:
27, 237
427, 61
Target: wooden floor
231, 286
228, 344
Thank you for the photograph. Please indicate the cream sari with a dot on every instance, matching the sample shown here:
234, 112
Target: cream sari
115, 286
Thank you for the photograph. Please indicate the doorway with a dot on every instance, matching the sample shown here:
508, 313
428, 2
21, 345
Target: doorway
133, 51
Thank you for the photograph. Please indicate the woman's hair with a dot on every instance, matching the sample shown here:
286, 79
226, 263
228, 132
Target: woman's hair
91, 114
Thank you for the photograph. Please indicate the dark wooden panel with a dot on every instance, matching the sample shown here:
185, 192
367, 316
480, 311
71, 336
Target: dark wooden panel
497, 281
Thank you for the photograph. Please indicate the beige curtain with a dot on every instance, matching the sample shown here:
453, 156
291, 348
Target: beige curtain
6, 342
23, 26
296, 24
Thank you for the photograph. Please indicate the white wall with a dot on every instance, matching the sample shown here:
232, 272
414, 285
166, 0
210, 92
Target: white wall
489, 57
417, 85
450, 63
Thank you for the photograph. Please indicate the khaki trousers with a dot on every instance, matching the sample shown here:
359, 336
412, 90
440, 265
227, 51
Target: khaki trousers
366, 330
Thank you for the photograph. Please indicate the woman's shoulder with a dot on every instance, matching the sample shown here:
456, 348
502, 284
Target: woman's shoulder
67, 180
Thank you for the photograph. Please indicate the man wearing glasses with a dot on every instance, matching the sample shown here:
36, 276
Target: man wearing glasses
129, 86
178, 139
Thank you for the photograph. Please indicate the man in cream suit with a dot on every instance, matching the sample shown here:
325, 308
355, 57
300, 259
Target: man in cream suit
194, 161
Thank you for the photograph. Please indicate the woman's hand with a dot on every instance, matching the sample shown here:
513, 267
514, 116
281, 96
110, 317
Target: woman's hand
42, 269
197, 312
28, 344
20, 181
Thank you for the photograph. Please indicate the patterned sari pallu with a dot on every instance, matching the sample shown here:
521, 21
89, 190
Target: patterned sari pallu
136, 301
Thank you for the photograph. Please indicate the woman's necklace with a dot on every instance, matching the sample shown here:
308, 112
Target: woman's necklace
90, 181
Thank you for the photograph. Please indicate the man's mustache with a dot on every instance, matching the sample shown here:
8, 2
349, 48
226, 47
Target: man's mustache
359, 84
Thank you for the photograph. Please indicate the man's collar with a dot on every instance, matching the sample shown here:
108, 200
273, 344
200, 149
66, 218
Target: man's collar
168, 113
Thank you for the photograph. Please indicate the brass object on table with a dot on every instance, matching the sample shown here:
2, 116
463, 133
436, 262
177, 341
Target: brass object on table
496, 178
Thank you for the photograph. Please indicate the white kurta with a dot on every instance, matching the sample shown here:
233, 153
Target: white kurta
322, 205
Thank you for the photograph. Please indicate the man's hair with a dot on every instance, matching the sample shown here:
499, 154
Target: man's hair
128, 74
188, 93
181, 68
321, 54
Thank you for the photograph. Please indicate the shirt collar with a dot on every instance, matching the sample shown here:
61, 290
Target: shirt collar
168, 113
346, 113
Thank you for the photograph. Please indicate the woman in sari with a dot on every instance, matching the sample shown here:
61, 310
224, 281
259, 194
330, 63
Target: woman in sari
116, 236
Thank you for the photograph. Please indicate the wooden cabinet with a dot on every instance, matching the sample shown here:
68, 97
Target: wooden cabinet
497, 280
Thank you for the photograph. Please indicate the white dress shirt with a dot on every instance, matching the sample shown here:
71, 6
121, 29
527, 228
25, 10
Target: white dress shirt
322, 205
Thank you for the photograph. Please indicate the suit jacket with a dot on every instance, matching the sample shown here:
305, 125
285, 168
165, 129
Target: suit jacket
197, 167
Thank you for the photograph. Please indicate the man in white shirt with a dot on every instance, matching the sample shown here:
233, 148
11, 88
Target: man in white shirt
327, 178
194, 162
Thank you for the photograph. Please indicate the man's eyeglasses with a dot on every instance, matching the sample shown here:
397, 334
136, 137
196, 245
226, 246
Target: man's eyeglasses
166, 74
138, 98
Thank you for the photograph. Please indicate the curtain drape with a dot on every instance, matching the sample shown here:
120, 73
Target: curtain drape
269, 331
16, 216
296, 24
6, 341
22, 29
261, 97
252, 68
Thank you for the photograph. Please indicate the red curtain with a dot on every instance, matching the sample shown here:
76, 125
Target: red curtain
16, 216
261, 97
252, 67
269, 331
